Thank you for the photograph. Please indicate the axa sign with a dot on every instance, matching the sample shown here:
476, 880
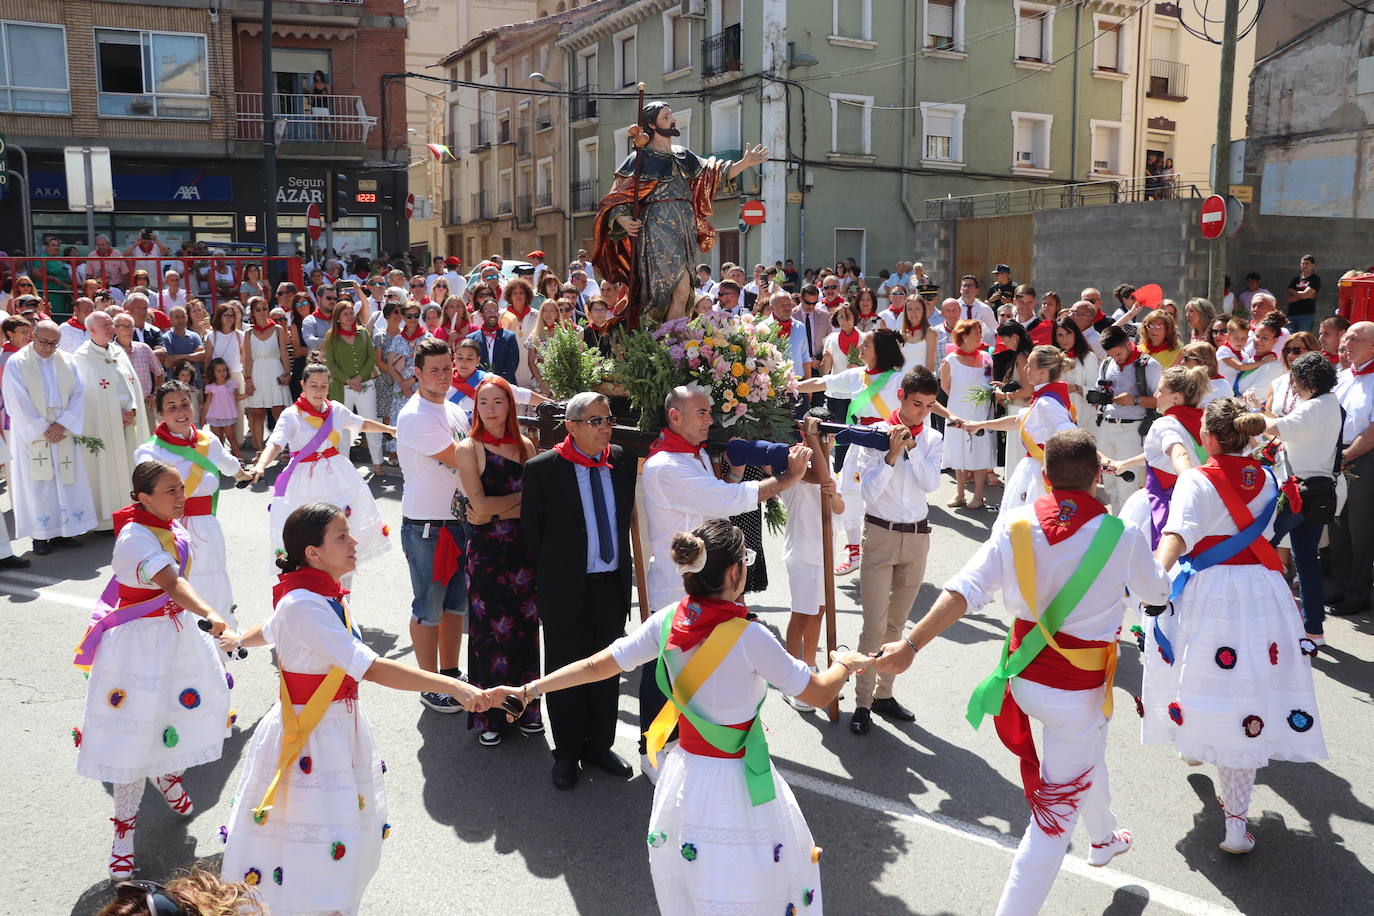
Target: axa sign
301, 191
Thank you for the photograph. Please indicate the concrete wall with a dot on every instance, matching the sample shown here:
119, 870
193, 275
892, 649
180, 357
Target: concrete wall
1272, 245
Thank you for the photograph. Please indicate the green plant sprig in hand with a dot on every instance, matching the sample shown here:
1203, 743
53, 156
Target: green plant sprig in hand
91, 444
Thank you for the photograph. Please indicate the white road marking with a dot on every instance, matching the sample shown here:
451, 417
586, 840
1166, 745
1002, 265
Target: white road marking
1106, 876
20, 591
33, 578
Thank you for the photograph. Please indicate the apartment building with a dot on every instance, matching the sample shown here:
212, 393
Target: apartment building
176, 94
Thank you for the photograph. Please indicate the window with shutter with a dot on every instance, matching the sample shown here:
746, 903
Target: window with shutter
1030, 35
33, 65
940, 24
939, 135
1108, 49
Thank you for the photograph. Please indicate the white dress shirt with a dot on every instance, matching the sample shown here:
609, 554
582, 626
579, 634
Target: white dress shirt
1356, 393
897, 492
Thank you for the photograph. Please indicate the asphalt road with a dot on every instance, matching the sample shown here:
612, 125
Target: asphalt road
920, 818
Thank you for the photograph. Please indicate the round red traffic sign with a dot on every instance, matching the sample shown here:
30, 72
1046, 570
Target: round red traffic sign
314, 223
753, 212
1213, 219
410, 205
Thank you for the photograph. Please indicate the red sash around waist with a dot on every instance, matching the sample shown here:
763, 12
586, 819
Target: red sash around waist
1054, 670
1246, 557
691, 741
301, 687
199, 505
1166, 480
327, 453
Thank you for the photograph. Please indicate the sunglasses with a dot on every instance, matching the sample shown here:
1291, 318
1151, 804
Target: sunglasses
412, 314
596, 422
1295, 350
416, 285
565, 308
154, 897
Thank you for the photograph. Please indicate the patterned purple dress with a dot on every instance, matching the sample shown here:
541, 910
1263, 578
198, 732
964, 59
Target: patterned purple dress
503, 619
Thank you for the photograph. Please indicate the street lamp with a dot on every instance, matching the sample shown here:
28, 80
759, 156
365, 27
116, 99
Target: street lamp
541, 78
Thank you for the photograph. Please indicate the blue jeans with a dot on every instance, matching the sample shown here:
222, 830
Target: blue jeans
1306, 323
1303, 537
434, 599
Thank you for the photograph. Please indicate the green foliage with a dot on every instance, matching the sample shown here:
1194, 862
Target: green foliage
775, 515
647, 374
569, 366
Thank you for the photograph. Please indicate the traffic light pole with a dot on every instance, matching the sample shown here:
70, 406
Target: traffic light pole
269, 135
330, 216
1221, 182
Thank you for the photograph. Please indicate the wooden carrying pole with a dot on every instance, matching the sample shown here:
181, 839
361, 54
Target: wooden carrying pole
828, 561
641, 579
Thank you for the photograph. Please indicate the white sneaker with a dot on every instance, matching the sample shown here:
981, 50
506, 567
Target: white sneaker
1102, 853
1317, 640
798, 705
489, 738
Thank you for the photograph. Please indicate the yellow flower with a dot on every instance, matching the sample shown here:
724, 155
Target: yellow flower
692, 345
770, 391
742, 390
708, 341
737, 370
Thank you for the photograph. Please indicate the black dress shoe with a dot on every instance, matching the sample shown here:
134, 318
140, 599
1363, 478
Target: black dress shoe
564, 774
65, 542
42, 548
1348, 608
14, 563
610, 762
893, 710
861, 721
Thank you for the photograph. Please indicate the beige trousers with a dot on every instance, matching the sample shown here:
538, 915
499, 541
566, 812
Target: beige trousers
894, 566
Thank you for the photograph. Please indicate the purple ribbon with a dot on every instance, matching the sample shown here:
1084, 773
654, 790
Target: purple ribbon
1159, 504
284, 478
108, 615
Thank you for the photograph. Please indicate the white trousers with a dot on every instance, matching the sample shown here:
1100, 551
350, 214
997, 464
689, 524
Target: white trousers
1119, 441
364, 404
1074, 741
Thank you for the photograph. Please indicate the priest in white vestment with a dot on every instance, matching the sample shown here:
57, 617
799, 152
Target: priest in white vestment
44, 398
114, 414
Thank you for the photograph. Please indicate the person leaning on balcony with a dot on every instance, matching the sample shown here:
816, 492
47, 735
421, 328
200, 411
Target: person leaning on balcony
111, 273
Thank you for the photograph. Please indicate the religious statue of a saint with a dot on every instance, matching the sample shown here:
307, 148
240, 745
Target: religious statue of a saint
657, 216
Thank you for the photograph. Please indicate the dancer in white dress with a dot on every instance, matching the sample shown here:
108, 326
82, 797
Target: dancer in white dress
312, 429
310, 815
1172, 446
266, 368
200, 459
725, 833
1230, 682
962, 373
157, 698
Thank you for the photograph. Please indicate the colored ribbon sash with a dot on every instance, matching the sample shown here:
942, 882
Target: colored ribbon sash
993, 696
730, 741
323, 431
296, 728
870, 394
1159, 486
199, 456
1037, 449
110, 610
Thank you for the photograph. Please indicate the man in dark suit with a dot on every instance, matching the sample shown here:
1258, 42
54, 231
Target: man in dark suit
500, 350
575, 511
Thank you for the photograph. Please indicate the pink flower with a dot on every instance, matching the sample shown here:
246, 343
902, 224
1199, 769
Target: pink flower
741, 410
694, 362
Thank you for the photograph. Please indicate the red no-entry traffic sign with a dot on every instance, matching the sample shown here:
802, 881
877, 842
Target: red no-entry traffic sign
314, 223
753, 212
1213, 219
410, 205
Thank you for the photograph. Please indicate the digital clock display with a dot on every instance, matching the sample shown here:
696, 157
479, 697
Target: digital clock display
365, 198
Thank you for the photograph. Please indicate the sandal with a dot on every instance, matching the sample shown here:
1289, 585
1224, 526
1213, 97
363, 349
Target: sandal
977, 504
957, 502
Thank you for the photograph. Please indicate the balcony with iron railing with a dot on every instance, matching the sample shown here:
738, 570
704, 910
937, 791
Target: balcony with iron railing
304, 118
481, 135
503, 133
581, 104
480, 206
453, 212
524, 209
543, 122
720, 53
1104, 192
503, 207
544, 201
522, 141
585, 195
1168, 80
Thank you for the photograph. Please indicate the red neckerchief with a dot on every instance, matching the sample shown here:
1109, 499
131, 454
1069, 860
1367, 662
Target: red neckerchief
263, 327
1063, 512
895, 419
11, 348
166, 435
481, 434
963, 352
464, 384
1055, 391
136, 513
1153, 350
303, 405
785, 328
493, 332
74, 323
848, 341
1071, 353
419, 332
1218, 376
669, 441
1100, 316
310, 579
1132, 355
696, 618
1246, 475
519, 316
1332, 358
833, 303
319, 315
349, 334
1190, 417
1366, 369
570, 452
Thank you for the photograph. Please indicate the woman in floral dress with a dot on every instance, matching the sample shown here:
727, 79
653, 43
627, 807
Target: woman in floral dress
503, 618
399, 356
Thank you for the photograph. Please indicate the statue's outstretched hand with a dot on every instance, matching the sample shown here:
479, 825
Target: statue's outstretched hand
756, 156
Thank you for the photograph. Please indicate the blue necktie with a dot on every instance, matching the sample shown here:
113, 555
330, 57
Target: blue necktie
603, 521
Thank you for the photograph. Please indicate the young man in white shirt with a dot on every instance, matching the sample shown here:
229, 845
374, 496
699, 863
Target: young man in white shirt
970, 306
433, 536
896, 539
681, 490
1064, 534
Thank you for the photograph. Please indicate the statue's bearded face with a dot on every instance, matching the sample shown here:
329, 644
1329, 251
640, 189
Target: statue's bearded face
666, 124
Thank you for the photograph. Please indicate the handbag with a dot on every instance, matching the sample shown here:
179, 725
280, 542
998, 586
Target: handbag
1319, 493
